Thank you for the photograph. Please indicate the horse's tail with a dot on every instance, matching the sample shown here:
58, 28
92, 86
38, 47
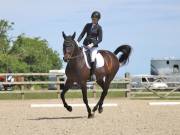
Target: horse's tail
126, 51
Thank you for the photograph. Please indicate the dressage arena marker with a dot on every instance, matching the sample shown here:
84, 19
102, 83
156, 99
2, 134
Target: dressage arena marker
164, 103
73, 105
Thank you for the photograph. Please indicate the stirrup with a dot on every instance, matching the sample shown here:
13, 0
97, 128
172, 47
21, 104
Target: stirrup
92, 77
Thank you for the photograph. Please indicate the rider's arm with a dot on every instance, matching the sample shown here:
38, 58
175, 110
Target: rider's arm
100, 35
82, 33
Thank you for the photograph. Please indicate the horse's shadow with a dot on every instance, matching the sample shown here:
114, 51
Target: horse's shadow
60, 118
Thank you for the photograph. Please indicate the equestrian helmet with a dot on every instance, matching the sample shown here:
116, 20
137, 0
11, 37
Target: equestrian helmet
96, 14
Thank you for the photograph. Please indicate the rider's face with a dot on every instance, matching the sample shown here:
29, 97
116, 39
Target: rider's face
95, 20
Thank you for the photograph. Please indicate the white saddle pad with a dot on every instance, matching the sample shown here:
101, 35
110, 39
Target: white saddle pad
99, 60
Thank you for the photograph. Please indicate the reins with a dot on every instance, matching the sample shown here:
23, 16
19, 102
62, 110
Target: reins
77, 56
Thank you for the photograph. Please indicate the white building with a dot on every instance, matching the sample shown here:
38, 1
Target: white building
166, 66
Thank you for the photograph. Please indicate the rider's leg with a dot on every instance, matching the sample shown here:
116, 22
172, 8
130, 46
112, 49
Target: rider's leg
93, 57
88, 53
93, 54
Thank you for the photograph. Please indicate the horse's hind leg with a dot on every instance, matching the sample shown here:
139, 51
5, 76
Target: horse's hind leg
101, 83
103, 95
84, 93
66, 88
105, 87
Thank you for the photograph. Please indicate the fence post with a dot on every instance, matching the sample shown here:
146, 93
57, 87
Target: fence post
58, 86
94, 90
128, 85
22, 94
22, 87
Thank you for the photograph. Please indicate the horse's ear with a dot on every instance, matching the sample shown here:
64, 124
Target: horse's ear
74, 35
64, 35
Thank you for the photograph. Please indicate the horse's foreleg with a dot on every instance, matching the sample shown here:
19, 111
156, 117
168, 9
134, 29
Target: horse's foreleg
66, 88
84, 93
5, 87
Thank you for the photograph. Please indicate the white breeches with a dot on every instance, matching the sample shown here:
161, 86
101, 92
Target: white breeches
93, 52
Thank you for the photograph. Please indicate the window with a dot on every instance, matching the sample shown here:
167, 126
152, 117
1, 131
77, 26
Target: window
144, 79
151, 79
176, 68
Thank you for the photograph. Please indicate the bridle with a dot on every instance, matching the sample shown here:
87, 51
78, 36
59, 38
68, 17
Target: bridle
70, 44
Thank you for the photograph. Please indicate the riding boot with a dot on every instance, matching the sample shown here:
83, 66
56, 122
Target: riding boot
88, 53
92, 76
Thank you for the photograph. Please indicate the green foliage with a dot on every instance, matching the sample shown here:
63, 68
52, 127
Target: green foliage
11, 62
5, 26
36, 54
27, 54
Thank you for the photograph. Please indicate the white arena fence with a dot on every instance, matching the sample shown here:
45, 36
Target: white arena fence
125, 82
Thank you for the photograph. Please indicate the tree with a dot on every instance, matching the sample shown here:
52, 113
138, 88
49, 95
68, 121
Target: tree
35, 53
26, 54
11, 62
5, 26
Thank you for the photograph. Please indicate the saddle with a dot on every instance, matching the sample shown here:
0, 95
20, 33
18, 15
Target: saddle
99, 60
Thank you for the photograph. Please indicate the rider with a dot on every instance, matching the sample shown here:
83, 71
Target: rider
94, 34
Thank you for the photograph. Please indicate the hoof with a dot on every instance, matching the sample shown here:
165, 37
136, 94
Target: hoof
69, 108
90, 116
100, 110
94, 109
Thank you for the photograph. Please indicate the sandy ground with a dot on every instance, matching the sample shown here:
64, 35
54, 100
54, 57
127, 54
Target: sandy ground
131, 117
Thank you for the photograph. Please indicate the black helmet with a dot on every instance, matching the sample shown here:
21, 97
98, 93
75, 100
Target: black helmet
96, 14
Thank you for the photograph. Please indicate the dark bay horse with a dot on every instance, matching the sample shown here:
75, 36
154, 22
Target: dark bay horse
77, 71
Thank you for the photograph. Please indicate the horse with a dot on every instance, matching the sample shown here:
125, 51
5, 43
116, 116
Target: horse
14, 79
77, 71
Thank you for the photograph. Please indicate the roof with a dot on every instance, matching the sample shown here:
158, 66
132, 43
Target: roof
166, 58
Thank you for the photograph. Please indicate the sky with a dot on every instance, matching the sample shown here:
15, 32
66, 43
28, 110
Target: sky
151, 27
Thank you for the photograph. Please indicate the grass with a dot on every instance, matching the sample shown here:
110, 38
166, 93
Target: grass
150, 95
40, 95
113, 93
12, 95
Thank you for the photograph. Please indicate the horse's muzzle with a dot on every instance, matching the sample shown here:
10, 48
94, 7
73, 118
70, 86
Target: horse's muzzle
65, 59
